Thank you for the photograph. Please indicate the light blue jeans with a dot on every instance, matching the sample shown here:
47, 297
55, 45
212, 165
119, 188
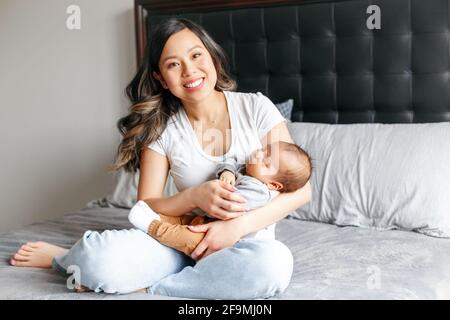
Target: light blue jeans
123, 261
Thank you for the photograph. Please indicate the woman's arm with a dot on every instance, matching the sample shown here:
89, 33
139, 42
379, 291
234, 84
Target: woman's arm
215, 197
275, 210
154, 168
223, 234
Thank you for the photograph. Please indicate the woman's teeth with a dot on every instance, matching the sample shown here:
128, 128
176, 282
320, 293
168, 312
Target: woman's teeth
194, 84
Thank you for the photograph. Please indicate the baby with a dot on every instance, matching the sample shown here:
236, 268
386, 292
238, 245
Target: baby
280, 167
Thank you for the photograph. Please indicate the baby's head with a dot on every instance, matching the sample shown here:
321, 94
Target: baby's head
281, 166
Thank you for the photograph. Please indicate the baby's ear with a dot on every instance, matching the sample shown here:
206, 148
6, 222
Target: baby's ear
274, 185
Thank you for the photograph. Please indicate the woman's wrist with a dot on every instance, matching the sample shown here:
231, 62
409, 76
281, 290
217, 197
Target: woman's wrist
191, 197
243, 224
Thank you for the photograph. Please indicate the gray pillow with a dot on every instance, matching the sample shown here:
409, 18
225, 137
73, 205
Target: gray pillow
380, 176
124, 194
285, 108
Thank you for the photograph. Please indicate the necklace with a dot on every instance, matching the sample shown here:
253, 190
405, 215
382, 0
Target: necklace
206, 124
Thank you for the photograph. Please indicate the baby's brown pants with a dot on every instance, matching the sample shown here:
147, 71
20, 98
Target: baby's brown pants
173, 231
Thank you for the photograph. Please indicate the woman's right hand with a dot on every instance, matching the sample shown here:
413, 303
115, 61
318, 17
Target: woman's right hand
217, 199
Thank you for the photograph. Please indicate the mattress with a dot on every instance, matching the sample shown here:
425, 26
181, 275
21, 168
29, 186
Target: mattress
330, 262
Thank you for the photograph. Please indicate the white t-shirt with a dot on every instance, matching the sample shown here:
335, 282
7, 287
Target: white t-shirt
252, 116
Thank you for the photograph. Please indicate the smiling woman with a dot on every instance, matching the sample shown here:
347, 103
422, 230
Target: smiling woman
186, 73
184, 80
337, 69
160, 71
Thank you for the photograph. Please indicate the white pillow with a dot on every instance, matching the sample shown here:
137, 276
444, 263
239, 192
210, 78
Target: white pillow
381, 176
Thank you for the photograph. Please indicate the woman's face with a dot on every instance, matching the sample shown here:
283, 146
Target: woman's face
187, 68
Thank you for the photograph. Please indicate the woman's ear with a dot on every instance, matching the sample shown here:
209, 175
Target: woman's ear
274, 185
160, 79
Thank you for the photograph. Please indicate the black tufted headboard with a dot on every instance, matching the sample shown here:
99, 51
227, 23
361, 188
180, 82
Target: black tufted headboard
323, 55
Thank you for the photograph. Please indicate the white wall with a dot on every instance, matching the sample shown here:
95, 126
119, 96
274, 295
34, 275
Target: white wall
61, 94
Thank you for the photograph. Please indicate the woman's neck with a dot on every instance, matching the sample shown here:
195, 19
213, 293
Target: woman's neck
208, 110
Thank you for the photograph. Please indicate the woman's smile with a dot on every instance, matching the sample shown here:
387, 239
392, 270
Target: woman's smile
194, 85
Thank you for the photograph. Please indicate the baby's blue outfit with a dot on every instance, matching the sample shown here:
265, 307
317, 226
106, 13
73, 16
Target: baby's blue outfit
254, 191
123, 261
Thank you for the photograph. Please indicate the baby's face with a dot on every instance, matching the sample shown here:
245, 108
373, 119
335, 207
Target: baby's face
263, 164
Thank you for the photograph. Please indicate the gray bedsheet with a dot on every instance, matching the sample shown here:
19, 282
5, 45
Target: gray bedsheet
330, 262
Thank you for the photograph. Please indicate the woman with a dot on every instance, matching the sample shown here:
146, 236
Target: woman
182, 98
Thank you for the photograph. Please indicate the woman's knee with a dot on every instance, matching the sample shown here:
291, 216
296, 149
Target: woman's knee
123, 261
271, 266
94, 261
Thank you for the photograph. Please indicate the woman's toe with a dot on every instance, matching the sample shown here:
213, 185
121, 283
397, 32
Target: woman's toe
23, 253
26, 248
19, 257
16, 263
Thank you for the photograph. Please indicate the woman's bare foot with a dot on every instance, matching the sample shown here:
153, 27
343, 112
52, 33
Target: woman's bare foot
40, 255
36, 254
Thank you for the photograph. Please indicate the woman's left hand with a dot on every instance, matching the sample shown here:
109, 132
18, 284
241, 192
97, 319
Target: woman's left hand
219, 234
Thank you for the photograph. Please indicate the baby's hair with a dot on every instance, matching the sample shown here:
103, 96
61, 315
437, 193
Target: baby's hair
296, 176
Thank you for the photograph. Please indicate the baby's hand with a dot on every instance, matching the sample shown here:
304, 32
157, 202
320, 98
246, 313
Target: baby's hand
228, 177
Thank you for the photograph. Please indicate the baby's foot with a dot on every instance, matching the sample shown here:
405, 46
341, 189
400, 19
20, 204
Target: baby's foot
141, 215
36, 254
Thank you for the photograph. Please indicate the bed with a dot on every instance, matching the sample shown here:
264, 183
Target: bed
339, 69
331, 262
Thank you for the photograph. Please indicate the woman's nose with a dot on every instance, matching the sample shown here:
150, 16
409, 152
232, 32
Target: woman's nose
189, 69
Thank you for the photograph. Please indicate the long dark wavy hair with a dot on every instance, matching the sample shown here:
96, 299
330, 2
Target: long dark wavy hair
152, 105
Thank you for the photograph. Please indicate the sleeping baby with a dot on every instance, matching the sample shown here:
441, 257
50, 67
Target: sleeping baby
280, 167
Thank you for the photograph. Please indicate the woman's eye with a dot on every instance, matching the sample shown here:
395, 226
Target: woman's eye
196, 55
171, 65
